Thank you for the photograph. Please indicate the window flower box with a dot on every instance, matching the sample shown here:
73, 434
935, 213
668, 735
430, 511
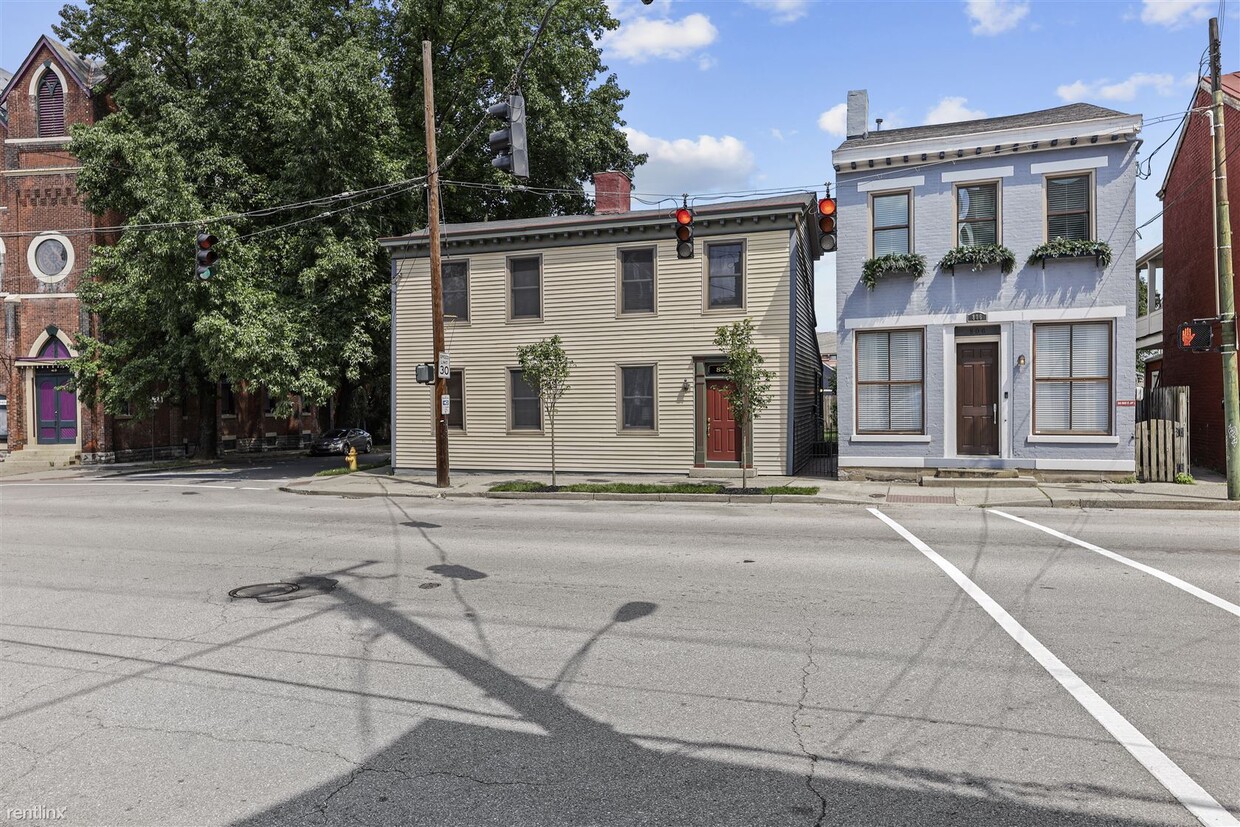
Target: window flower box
979, 257
892, 264
1100, 251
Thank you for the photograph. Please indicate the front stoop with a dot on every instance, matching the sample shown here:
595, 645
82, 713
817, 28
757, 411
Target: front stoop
977, 478
39, 459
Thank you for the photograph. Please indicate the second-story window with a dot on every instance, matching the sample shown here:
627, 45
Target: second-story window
891, 224
1067, 207
51, 106
456, 290
977, 213
525, 280
637, 281
725, 274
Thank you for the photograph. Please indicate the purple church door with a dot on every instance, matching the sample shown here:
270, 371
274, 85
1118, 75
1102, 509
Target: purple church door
55, 409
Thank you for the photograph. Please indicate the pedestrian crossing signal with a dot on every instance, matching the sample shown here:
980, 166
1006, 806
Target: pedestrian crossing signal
1196, 335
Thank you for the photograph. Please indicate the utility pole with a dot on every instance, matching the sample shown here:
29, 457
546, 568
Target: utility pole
1226, 284
432, 164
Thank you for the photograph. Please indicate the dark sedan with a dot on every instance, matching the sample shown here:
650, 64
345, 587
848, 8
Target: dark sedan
339, 441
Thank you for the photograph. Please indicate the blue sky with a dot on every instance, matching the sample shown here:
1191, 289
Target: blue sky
740, 96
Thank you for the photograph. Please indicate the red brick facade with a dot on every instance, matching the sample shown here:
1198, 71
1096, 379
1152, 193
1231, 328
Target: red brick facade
1191, 286
40, 202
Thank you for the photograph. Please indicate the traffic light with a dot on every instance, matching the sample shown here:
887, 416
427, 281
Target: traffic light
207, 257
1197, 335
826, 224
684, 232
508, 144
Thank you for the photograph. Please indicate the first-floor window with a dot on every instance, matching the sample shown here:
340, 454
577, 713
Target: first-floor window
637, 398
1072, 378
456, 400
228, 399
890, 394
526, 406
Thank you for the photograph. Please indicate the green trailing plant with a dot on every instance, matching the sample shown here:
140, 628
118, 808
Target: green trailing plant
1071, 248
911, 263
979, 257
1183, 478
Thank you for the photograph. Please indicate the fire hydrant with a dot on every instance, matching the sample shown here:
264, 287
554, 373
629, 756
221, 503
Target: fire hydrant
350, 459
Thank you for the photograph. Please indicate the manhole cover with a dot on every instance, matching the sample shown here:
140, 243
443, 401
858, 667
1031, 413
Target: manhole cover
429, 585
263, 590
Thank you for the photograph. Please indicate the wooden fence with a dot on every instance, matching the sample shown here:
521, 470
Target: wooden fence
1162, 434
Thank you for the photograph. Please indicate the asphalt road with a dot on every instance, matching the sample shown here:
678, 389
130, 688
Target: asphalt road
592, 663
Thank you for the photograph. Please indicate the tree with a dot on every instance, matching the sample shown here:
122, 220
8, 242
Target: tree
750, 393
545, 366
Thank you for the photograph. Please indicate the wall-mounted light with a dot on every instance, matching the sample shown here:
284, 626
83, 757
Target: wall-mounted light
684, 386
1020, 361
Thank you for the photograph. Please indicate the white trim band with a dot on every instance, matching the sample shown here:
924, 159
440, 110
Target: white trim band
1068, 166
891, 183
1077, 439
978, 174
889, 438
882, 462
1045, 314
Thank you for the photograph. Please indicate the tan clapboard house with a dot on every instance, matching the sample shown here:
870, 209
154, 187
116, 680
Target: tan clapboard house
639, 323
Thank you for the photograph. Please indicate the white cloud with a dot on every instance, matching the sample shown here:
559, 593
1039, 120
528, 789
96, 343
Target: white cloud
1124, 90
685, 165
950, 110
642, 38
1176, 13
991, 17
706, 61
835, 120
782, 11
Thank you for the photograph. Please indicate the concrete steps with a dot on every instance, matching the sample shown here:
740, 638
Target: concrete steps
39, 459
977, 478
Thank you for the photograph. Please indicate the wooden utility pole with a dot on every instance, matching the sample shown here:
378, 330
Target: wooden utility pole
432, 164
1226, 284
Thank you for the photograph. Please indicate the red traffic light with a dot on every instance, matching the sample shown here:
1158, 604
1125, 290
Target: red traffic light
206, 241
684, 216
826, 206
826, 224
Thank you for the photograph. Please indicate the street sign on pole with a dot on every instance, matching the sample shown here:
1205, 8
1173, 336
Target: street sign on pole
445, 372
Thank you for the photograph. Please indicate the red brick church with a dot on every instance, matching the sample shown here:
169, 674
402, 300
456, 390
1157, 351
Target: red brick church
46, 237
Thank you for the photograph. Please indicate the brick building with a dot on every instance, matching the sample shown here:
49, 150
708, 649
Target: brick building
46, 237
1190, 289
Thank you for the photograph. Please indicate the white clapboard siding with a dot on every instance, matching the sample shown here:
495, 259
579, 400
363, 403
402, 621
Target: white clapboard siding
579, 304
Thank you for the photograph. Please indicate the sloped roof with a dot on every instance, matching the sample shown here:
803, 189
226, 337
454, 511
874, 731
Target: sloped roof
1230, 82
85, 73
827, 342
1072, 113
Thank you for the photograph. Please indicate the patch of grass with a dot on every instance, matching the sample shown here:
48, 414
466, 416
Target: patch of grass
804, 490
1184, 479
336, 472
1128, 480
520, 485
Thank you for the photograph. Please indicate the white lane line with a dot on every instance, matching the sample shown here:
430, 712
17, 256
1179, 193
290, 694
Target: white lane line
1225, 605
248, 488
112, 485
1198, 802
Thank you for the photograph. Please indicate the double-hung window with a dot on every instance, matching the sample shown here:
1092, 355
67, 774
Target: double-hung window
456, 290
1067, 207
977, 214
637, 398
456, 399
637, 280
1072, 378
890, 392
525, 405
725, 274
525, 282
891, 214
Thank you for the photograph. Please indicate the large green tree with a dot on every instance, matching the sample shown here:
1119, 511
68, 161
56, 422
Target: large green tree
222, 113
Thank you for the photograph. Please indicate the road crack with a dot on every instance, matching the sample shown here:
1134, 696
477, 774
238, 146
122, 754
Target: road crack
813, 757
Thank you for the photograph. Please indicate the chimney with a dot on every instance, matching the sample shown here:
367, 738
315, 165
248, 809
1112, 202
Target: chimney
858, 113
611, 192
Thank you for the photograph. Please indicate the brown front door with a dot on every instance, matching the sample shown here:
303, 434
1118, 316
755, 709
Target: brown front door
977, 398
722, 444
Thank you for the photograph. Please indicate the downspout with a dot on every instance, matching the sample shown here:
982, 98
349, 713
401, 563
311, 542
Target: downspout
793, 280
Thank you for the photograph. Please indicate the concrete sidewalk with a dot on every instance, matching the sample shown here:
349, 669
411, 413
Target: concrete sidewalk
1210, 492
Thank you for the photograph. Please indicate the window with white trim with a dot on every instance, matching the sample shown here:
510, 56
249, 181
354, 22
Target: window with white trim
455, 279
525, 281
977, 214
1067, 207
891, 214
524, 401
637, 281
51, 103
1072, 378
725, 274
637, 398
890, 382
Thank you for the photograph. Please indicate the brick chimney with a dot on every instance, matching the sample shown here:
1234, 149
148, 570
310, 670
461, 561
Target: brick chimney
858, 117
611, 192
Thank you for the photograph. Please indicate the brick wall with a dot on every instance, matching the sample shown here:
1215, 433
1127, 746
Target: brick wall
1191, 286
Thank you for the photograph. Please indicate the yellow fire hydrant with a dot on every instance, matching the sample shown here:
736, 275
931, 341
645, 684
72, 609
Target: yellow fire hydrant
350, 459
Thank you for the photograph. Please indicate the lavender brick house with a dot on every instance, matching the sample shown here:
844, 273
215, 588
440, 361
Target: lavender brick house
977, 368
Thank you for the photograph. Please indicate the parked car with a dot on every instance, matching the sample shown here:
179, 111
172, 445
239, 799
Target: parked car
339, 440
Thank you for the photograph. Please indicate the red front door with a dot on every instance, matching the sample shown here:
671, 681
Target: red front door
722, 442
